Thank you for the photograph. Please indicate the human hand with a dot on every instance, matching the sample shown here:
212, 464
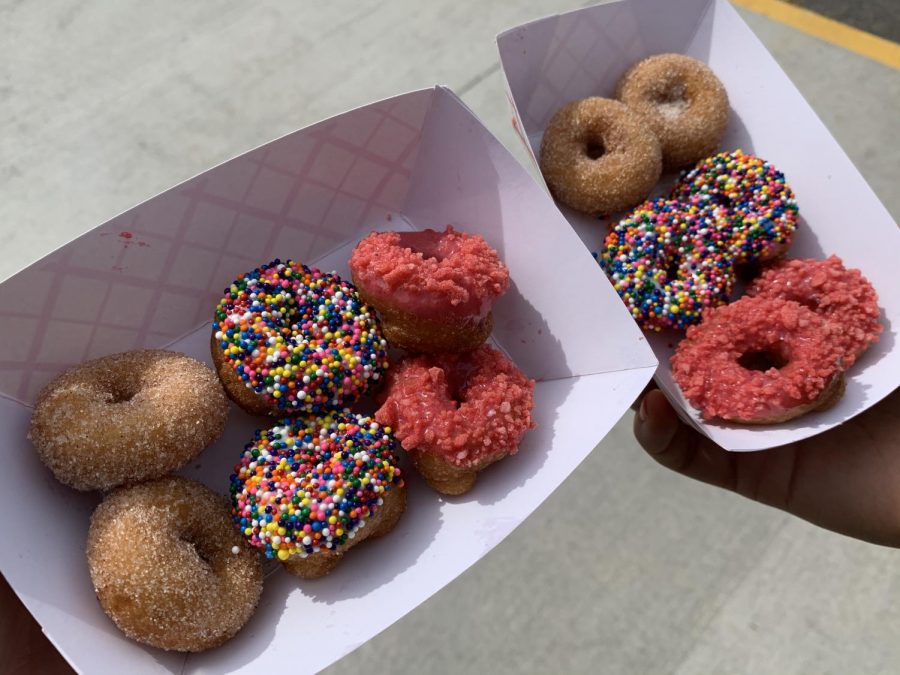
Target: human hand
846, 479
24, 649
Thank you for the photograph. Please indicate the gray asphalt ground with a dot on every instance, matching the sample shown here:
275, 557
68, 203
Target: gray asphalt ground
105, 104
879, 17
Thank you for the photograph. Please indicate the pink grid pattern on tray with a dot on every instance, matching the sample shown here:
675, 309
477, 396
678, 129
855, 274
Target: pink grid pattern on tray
154, 273
585, 58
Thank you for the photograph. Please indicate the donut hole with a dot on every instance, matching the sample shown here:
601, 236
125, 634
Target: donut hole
457, 383
427, 243
671, 100
672, 269
122, 398
123, 391
191, 537
764, 359
200, 554
720, 199
195, 547
594, 149
672, 92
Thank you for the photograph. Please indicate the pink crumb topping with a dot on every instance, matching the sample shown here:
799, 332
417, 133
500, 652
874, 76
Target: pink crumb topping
830, 289
706, 363
468, 408
429, 273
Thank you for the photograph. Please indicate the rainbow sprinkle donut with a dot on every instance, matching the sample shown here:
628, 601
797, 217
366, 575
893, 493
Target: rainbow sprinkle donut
668, 262
304, 490
758, 205
289, 339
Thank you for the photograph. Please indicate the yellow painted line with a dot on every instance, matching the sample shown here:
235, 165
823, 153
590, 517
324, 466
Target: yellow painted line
834, 32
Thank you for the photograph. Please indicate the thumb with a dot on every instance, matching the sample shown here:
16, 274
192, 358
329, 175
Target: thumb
655, 423
679, 447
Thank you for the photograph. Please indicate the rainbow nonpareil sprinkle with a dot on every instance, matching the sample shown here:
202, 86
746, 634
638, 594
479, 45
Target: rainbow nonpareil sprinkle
751, 195
668, 262
311, 484
300, 338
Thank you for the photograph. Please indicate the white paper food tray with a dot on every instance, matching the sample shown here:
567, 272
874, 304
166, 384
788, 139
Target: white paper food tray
565, 57
151, 278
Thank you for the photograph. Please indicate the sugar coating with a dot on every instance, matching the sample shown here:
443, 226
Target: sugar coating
169, 568
705, 364
658, 238
307, 485
751, 195
672, 110
430, 274
300, 338
468, 408
127, 417
682, 100
621, 177
839, 294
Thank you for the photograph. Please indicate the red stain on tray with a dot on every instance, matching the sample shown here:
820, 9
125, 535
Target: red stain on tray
128, 239
127, 236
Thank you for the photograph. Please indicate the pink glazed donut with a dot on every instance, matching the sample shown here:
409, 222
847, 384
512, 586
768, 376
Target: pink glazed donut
455, 414
432, 290
760, 361
831, 290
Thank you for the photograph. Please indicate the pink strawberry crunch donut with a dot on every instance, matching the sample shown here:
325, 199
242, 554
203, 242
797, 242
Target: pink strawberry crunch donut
432, 290
760, 361
830, 289
457, 413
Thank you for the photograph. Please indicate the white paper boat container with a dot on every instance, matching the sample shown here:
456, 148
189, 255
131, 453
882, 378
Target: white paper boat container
151, 278
565, 57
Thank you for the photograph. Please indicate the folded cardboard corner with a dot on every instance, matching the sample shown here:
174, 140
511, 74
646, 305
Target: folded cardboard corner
151, 278
552, 61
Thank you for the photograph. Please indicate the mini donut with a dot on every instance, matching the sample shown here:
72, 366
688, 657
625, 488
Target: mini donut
598, 156
290, 339
669, 263
456, 414
126, 418
168, 567
760, 361
307, 490
753, 197
828, 288
682, 100
433, 290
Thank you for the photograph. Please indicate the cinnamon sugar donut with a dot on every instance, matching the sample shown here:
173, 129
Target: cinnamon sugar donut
682, 100
760, 361
842, 295
455, 414
168, 567
433, 290
599, 157
126, 418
